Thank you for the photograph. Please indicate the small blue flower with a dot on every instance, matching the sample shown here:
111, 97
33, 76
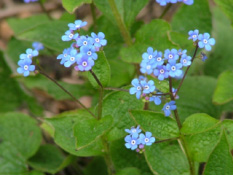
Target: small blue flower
132, 142
148, 87
150, 55
25, 67
168, 107
84, 63
174, 69
173, 1
156, 99
158, 59
147, 67
27, 1
171, 55
193, 35
161, 72
203, 56
162, 2
146, 139
37, 45
174, 93
72, 58
134, 130
77, 25
29, 54
85, 41
141, 77
137, 89
188, 2
185, 60
205, 41
99, 39
64, 56
89, 52
181, 52
69, 35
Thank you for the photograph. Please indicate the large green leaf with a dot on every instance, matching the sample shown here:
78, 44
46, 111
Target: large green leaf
72, 5
101, 70
196, 16
128, 171
224, 90
220, 161
63, 133
158, 39
198, 123
227, 7
118, 104
167, 159
89, 130
49, 159
160, 126
228, 127
20, 138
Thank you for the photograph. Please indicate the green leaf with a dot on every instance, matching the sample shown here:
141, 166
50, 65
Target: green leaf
49, 34
167, 159
88, 131
20, 138
224, 90
160, 126
218, 60
97, 166
49, 159
34, 172
117, 104
200, 14
198, 123
129, 171
63, 133
220, 161
158, 39
196, 97
125, 158
228, 127
72, 5
101, 70
227, 7
25, 24
201, 145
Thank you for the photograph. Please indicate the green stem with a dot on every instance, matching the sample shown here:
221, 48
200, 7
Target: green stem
120, 23
165, 11
44, 9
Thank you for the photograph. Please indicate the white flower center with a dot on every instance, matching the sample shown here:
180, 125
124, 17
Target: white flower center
139, 88
133, 142
146, 140
84, 63
146, 87
159, 59
77, 26
161, 71
194, 36
134, 130
170, 56
167, 107
29, 55
25, 67
89, 53
148, 67
205, 41
184, 61
97, 40
71, 35
72, 58
85, 43
150, 57
65, 55
173, 68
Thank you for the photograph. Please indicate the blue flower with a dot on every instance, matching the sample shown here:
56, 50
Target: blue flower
156, 99
77, 25
161, 72
27, 1
171, 55
141, 77
137, 89
84, 63
85, 41
181, 52
158, 59
89, 52
25, 67
69, 35
132, 142
72, 58
168, 107
174, 69
37, 45
146, 139
174, 93
99, 39
188, 2
29, 54
149, 55
203, 56
173, 1
162, 2
193, 35
147, 67
64, 56
205, 41
185, 60
133, 130
148, 87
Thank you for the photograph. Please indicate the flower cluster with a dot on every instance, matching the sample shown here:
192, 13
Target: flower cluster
25, 59
137, 140
27, 1
83, 49
165, 2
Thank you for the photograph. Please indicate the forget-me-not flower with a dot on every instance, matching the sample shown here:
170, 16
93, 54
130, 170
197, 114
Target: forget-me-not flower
193, 35
25, 67
77, 24
161, 72
168, 107
205, 41
146, 139
136, 89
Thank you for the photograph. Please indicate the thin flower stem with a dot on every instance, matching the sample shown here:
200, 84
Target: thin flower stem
120, 23
44, 9
66, 91
181, 82
165, 11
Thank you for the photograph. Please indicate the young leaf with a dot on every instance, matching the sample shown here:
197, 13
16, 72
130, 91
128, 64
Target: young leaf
72, 5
